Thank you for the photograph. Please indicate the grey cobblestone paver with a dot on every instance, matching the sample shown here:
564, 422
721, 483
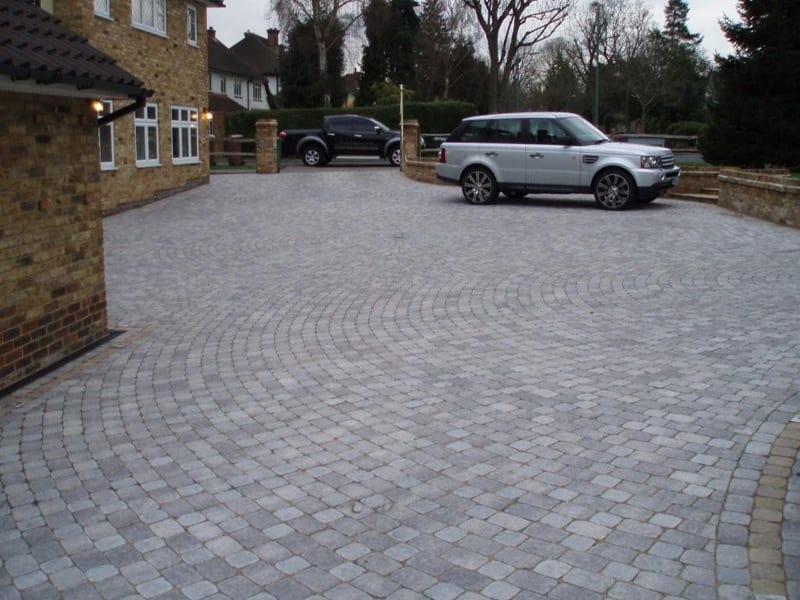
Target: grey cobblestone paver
343, 384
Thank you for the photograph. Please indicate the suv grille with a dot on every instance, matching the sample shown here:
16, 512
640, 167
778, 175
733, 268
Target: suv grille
667, 162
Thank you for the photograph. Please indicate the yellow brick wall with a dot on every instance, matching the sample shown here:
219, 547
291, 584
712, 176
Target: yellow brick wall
52, 287
177, 71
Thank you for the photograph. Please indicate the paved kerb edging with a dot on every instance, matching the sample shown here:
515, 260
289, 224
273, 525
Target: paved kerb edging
750, 555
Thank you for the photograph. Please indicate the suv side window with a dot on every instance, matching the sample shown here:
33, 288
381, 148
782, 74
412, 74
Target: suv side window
547, 131
508, 131
361, 125
472, 131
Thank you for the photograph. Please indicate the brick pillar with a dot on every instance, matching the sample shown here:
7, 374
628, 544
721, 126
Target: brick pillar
267, 146
410, 140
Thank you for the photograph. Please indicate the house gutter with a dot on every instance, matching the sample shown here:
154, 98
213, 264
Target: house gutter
140, 101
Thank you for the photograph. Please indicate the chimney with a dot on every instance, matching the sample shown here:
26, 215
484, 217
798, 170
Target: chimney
272, 38
212, 33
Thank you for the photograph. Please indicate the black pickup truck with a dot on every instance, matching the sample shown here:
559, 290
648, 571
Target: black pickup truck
342, 135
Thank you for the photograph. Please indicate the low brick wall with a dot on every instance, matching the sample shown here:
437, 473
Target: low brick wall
421, 170
695, 180
769, 196
413, 166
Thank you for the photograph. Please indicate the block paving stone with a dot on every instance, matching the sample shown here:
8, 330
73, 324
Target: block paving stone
339, 383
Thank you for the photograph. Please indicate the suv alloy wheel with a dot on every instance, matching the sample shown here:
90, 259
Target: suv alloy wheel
479, 186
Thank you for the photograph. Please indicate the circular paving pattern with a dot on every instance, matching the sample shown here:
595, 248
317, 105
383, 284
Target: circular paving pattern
339, 383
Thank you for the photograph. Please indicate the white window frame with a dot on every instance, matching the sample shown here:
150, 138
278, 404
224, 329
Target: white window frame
157, 23
102, 8
257, 91
146, 120
222, 85
107, 165
185, 135
237, 88
191, 25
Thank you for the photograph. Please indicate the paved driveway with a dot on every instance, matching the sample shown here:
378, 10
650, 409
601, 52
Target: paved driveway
342, 384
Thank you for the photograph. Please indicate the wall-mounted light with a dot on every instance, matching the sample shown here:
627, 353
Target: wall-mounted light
207, 115
97, 106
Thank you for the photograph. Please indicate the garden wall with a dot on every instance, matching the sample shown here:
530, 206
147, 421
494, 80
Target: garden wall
765, 195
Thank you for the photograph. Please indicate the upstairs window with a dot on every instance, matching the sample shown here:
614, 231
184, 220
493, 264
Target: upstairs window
237, 88
256, 91
150, 15
222, 85
102, 8
191, 25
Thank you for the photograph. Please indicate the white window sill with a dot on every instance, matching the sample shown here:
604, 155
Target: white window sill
105, 168
150, 30
186, 161
103, 16
147, 165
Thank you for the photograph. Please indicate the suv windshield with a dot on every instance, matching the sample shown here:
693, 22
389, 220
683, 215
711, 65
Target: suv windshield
582, 131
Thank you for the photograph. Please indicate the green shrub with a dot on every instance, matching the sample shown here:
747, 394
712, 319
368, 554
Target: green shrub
686, 128
433, 117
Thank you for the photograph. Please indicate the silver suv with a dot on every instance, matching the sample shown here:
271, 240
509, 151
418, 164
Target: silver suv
544, 152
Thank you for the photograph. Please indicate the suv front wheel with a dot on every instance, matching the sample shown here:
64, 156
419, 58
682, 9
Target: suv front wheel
479, 186
614, 190
395, 156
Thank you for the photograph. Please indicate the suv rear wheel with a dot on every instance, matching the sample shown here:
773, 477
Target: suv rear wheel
614, 190
479, 186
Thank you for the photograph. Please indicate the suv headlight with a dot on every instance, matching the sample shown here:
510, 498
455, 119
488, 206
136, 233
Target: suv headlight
650, 162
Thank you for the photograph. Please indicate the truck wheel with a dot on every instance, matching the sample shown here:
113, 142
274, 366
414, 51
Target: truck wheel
614, 190
314, 155
395, 156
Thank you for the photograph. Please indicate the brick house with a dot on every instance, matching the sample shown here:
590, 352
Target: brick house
163, 148
52, 280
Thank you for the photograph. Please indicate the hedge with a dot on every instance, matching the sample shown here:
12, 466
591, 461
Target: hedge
433, 117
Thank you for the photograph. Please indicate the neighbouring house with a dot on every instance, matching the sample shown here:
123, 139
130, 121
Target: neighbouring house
263, 56
52, 280
163, 148
232, 77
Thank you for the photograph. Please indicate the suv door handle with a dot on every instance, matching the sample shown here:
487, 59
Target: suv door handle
491, 154
537, 155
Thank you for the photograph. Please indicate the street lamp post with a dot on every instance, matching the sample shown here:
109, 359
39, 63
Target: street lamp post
598, 7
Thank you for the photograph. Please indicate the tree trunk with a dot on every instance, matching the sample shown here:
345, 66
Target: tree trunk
322, 54
494, 77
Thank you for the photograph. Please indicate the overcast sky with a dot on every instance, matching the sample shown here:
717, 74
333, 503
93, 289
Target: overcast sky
255, 15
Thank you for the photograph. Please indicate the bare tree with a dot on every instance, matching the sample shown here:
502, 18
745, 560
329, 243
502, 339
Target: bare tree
330, 20
650, 83
624, 28
444, 43
511, 27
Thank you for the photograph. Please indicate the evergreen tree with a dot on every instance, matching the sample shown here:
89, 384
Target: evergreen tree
685, 73
753, 113
676, 23
390, 27
301, 86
